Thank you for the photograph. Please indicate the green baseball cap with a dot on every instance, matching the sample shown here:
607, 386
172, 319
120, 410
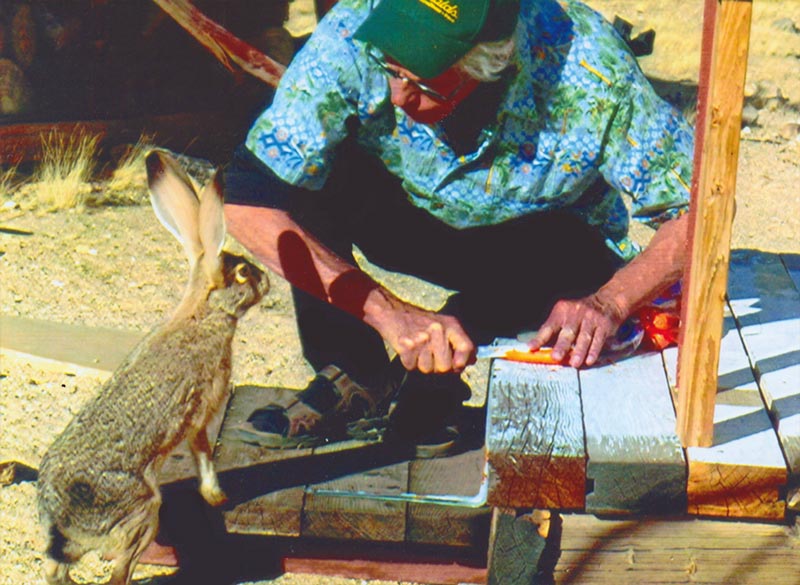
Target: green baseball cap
428, 36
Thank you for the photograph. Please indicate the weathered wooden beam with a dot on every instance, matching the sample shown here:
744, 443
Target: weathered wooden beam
202, 132
534, 437
723, 67
278, 512
743, 473
459, 475
353, 517
225, 46
766, 304
98, 348
636, 463
515, 546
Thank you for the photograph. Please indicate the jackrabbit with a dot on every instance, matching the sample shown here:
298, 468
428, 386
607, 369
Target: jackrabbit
97, 485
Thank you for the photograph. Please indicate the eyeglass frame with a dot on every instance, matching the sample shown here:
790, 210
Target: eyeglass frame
425, 89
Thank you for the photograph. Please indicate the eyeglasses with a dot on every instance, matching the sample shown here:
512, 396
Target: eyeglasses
425, 89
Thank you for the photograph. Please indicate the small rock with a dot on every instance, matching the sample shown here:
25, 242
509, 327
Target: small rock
749, 115
786, 24
790, 130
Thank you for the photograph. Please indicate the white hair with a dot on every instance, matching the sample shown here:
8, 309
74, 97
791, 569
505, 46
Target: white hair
486, 61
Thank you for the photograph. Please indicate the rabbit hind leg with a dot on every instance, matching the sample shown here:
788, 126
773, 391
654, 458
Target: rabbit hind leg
60, 554
133, 535
209, 483
57, 573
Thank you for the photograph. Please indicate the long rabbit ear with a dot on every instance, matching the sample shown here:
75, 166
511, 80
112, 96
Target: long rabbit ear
174, 201
211, 227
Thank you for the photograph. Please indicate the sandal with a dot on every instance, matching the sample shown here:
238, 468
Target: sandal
439, 443
318, 414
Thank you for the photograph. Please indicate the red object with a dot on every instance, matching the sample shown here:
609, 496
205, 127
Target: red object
661, 327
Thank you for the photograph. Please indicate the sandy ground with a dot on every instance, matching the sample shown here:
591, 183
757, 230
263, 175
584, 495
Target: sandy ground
117, 267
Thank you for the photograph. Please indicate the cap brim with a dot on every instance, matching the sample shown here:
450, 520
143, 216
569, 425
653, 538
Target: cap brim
413, 45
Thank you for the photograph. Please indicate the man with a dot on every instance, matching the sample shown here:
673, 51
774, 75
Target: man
484, 145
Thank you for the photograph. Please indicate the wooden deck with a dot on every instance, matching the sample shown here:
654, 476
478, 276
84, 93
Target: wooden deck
599, 445
609, 432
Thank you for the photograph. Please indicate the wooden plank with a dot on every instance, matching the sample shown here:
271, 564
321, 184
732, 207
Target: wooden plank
792, 264
713, 188
766, 303
743, 473
278, 512
679, 550
353, 517
635, 460
515, 547
221, 43
459, 475
534, 437
98, 348
198, 132
443, 572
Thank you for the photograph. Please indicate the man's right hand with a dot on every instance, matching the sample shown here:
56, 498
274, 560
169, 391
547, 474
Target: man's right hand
424, 340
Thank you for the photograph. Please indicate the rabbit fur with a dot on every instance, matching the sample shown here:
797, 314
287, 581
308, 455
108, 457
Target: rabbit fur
98, 487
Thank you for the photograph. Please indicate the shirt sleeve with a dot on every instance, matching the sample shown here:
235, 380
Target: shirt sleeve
296, 136
649, 153
248, 181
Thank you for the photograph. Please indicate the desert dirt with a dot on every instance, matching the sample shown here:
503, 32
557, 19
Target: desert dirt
117, 267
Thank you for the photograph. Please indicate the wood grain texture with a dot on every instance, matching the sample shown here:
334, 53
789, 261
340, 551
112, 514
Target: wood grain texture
766, 301
459, 475
742, 474
515, 547
679, 550
354, 518
635, 460
249, 473
712, 209
534, 437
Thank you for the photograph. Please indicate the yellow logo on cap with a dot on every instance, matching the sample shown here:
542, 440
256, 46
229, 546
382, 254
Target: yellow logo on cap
443, 7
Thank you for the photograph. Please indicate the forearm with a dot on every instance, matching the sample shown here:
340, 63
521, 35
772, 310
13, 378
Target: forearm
287, 249
659, 265
423, 340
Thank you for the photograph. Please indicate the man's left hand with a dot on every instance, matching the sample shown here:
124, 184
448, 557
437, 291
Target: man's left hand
582, 325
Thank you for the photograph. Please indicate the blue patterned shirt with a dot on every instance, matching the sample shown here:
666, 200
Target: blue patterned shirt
578, 108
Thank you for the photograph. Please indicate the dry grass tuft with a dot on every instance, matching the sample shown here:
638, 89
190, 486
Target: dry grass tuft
62, 179
8, 182
128, 182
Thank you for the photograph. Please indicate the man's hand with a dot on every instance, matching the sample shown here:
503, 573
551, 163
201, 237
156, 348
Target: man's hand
424, 340
582, 325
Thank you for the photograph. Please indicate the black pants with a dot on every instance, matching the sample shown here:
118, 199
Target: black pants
507, 276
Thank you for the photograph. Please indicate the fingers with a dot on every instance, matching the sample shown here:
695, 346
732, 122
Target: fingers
437, 350
440, 349
580, 331
543, 335
594, 350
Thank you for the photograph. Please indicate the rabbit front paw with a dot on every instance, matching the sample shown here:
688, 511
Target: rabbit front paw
213, 495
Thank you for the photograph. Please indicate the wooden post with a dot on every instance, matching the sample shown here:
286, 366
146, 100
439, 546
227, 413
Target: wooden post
726, 34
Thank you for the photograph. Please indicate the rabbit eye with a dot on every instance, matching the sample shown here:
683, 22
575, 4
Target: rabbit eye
242, 273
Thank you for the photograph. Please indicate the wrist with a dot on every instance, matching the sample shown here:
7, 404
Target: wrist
379, 307
350, 290
614, 303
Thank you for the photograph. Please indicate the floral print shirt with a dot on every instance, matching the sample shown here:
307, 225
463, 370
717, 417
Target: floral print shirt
577, 108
